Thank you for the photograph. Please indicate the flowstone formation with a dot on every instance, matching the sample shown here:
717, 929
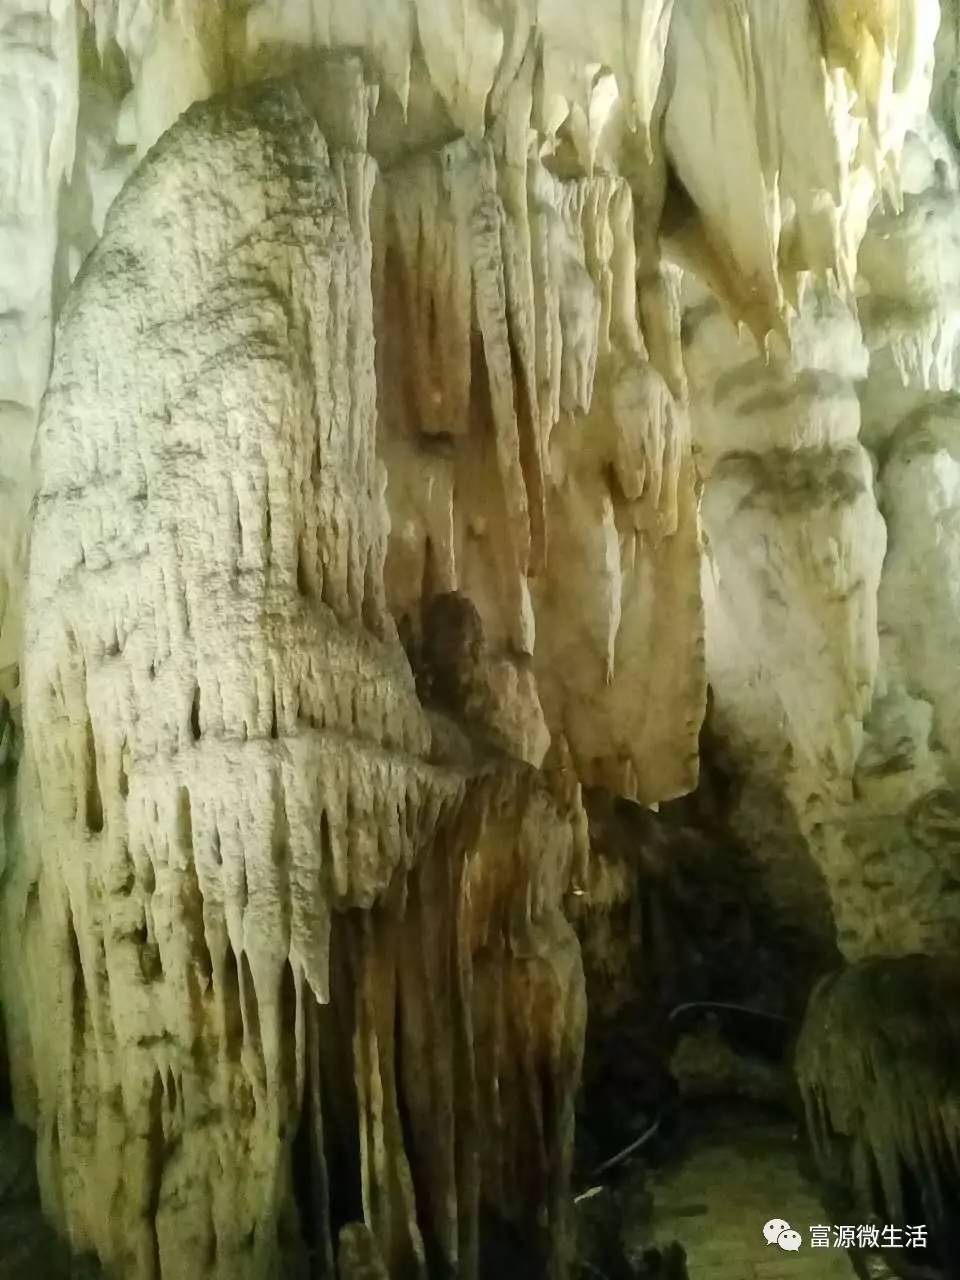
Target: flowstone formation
401, 471
571, 525
875, 1063
266, 915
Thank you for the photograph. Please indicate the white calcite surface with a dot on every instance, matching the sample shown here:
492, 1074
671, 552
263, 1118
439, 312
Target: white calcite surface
38, 91
571, 525
444, 394
224, 747
829, 575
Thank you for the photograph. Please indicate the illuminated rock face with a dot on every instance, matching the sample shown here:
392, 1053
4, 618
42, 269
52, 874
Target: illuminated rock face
224, 747
830, 512
400, 472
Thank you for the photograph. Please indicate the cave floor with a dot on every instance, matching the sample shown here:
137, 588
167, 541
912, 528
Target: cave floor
738, 1176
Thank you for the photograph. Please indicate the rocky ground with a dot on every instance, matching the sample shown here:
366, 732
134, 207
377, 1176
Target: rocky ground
708, 1182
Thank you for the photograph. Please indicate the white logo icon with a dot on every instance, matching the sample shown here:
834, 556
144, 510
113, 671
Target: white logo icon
777, 1231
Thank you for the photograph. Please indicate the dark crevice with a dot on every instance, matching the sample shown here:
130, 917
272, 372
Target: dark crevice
326, 843
288, 1020
309, 1211
429, 574
195, 714
436, 1264
280, 846
239, 521
251, 1009
184, 820
151, 963
336, 1084
156, 1156
303, 581
200, 976
149, 878
233, 1020
129, 881
78, 991
94, 804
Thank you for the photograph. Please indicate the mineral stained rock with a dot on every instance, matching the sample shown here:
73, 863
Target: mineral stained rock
443, 395
234, 807
875, 1063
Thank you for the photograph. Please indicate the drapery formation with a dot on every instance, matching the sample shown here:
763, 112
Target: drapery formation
225, 752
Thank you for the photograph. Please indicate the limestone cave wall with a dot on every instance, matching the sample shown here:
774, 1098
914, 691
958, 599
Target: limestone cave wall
422, 425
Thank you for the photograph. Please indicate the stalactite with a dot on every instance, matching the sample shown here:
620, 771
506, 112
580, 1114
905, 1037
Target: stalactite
878, 1085
270, 744
566, 249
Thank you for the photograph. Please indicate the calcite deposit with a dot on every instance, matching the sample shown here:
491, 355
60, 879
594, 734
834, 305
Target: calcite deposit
220, 714
414, 415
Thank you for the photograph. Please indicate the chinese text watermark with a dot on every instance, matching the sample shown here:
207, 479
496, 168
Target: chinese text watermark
779, 1232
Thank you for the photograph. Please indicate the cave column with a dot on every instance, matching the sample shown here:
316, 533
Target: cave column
795, 545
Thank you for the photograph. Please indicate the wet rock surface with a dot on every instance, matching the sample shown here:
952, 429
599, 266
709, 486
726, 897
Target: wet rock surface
28, 1244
